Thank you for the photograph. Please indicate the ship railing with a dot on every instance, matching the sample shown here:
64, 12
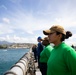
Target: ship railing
24, 66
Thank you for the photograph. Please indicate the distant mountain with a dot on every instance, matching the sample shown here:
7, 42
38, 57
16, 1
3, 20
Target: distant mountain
9, 43
5, 42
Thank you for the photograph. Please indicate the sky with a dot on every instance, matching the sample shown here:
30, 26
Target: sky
22, 21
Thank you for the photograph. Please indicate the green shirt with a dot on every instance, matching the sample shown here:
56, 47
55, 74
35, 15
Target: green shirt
45, 54
62, 61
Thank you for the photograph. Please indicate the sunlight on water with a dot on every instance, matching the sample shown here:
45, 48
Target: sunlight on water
5, 50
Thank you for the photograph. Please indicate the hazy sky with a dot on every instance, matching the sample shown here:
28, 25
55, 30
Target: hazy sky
24, 20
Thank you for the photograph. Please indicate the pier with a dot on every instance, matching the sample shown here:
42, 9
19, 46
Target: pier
24, 66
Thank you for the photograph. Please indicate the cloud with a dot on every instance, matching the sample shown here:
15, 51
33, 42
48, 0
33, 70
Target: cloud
6, 20
26, 21
15, 1
42, 19
29, 32
17, 39
41, 16
3, 6
5, 29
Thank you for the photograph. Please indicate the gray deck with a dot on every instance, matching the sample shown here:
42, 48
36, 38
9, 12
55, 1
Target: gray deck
33, 66
37, 71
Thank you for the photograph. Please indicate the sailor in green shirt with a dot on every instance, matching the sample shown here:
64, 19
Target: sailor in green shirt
44, 55
62, 60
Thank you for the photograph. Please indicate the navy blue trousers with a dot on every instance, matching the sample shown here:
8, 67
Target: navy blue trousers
43, 68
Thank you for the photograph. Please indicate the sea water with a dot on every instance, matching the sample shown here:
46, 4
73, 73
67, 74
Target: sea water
8, 57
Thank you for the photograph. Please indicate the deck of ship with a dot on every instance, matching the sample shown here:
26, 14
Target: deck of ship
35, 70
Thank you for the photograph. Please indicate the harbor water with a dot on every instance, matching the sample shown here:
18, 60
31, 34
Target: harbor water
8, 57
